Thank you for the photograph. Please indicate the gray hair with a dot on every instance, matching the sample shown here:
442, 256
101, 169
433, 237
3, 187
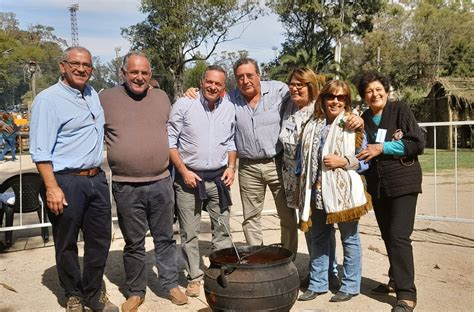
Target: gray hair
133, 53
246, 60
66, 52
216, 68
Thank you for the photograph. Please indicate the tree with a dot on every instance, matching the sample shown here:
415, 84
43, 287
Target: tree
440, 31
289, 62
104, 75
314, 26
227, 61
19, 47
415, 46
382, 49
176, 32
193, 75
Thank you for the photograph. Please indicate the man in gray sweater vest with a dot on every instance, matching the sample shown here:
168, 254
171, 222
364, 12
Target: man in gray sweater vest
136, 137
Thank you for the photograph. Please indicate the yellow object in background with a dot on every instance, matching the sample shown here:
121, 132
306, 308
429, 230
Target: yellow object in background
20, 121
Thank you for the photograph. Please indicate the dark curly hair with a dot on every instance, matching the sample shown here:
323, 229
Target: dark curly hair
369, 77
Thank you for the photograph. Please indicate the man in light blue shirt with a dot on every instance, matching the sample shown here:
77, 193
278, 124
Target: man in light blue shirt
201, 137
258, 106
66, 143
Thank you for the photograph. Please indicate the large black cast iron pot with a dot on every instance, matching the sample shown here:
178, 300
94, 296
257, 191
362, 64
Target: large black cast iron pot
264, 280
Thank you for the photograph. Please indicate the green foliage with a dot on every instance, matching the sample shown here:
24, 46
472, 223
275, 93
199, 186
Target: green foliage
227, 61
445, 160
313, 26
176, 32
19, 47
414, 47
193, 75
105, 75
415, 98
289, 62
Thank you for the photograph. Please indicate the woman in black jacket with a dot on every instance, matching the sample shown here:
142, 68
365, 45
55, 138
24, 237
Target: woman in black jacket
393, 180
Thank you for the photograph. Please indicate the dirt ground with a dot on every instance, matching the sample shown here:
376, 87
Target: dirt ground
444, 260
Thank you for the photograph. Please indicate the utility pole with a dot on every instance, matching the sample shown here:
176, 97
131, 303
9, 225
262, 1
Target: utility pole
33, 70
74, 30
338, 48
378, 58
117, 63
438, 60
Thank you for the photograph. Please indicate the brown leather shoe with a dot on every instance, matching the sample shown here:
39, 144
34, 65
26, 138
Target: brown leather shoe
177, 297
193, 289
108, 306
132, 304
74, 304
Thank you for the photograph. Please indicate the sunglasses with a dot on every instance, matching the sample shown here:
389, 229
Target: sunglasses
333, 97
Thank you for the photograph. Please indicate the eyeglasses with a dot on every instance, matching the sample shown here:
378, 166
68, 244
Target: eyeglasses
76, 65
333, 97
297, 85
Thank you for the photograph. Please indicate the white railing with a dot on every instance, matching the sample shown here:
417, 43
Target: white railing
425, 211
468, 215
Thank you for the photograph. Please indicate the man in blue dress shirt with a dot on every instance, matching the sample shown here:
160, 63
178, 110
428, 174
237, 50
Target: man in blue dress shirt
66, 143
258, 107
201, 137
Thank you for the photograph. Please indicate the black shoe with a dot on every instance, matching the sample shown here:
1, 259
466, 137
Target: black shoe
383, 289
309, 295
334, 283
304, 284
341, 296
402, 306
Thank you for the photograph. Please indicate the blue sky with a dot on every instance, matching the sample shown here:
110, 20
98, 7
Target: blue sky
99, 23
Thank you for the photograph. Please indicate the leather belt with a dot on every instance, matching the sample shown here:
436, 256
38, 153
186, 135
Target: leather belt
92, 172
260, 160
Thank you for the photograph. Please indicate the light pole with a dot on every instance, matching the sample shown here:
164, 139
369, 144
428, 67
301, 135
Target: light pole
338, 48
117, 63
34, 71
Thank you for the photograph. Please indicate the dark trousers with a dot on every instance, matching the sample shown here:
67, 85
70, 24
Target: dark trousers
141, 206
88, 210
396, 218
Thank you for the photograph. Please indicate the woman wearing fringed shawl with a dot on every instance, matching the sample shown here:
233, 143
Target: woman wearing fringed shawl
393, 180
304, 86
331, 190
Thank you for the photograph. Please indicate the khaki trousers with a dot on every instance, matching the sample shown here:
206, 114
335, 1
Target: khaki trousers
254, 177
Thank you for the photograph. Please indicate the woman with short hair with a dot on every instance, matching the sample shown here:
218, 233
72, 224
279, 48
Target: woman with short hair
393, 181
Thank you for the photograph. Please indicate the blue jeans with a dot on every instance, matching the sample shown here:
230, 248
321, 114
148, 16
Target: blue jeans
320, 246
332, 269
10, 144
141, 206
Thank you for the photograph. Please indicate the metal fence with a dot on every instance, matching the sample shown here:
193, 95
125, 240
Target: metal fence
452, 191
460, 211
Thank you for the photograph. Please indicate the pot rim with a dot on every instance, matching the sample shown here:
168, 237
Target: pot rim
288, 256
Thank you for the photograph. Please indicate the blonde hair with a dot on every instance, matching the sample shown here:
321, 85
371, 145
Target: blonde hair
310, 78
329, 88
